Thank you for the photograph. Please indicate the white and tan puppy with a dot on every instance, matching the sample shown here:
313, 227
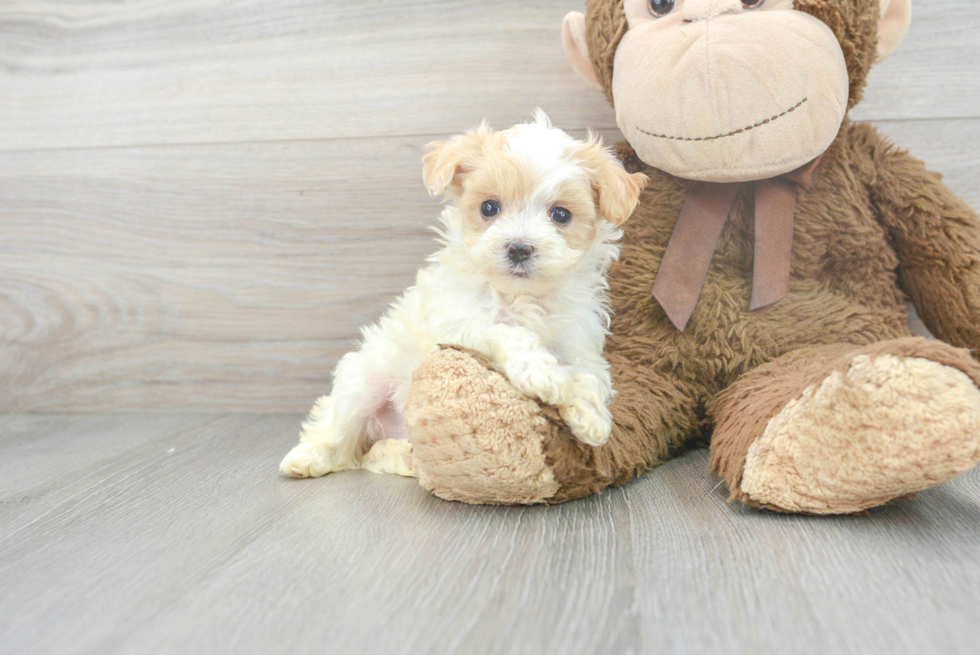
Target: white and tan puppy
528, 233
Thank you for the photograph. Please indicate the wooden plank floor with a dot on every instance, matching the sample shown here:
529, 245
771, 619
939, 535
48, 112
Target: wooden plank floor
175, 534
201, 202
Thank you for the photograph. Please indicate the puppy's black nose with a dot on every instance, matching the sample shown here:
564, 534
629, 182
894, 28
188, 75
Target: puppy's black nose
519, 252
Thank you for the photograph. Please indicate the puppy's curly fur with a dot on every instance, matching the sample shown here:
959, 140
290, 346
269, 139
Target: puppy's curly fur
530, 228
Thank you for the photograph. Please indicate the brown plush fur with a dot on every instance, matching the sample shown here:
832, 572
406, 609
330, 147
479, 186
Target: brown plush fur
874, 229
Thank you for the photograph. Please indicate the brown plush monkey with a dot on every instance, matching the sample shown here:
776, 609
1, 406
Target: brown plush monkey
760, 293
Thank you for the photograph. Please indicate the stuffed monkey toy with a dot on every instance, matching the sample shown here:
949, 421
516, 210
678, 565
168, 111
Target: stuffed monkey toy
759, 301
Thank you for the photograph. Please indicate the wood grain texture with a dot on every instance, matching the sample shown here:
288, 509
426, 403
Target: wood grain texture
214, 276
189, 541
202, 202
107, 73
229, 276
150, 277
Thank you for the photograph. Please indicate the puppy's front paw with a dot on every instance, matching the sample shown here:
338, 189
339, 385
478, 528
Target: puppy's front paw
540, 376
587, 415
310, 460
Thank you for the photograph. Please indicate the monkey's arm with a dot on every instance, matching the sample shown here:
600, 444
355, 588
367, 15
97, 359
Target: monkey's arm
937, 239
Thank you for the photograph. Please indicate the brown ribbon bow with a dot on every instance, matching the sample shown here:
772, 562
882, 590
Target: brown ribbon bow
695, 238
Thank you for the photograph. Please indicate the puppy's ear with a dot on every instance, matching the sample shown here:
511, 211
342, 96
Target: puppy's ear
440, 166
617, 192
445, 163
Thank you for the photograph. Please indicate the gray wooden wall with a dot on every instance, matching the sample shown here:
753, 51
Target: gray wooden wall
201, 201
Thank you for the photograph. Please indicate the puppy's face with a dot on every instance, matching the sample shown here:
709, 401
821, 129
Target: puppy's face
529, 202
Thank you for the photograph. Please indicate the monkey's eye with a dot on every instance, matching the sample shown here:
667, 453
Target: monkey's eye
753, 4
490, 208
661, 7
561, 215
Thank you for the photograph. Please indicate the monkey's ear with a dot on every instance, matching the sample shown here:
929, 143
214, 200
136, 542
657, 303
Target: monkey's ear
577, 48
896, 16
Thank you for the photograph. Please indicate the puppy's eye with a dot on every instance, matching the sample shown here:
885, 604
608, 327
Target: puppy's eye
753, 4
561, 215
661, 7
490, 208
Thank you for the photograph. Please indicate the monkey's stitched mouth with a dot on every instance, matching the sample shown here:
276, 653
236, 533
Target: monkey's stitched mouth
733, 133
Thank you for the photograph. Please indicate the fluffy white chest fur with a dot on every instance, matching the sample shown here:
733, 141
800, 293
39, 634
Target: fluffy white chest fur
452, 305
527, 237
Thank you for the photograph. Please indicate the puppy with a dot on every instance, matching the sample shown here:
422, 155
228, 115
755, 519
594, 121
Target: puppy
527, 235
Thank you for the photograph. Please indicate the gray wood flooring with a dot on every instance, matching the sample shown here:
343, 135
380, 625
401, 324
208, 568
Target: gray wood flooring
175, 534
200, 204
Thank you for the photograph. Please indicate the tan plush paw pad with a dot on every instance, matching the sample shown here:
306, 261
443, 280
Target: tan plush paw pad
887, 427
475, 438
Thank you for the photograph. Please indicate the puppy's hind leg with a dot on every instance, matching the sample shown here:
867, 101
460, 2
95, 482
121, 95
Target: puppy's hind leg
390, 450
390, 456
314, 456
334, 435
